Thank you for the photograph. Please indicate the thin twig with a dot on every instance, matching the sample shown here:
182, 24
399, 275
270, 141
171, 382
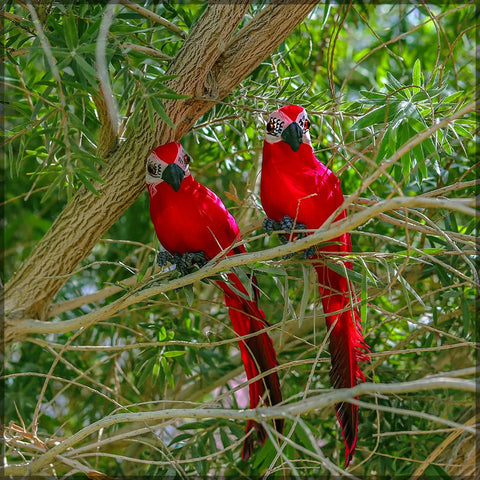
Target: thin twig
102, 68
19, 328
154, 17
152, 52
261, 414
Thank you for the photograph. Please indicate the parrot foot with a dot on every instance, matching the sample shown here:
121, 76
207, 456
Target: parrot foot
163, 258
189, 261
270, 225
309, 252
287, 224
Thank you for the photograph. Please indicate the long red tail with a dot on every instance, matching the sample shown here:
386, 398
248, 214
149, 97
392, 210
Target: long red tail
347, 345
258, 355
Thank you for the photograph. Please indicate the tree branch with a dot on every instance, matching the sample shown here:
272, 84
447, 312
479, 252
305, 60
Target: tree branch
88, 216
71, 237
153, 52
19, 328
107, 136
257, 40
153, 17
260, 415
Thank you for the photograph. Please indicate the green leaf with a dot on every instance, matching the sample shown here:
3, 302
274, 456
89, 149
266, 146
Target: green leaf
326, 13
156, 370
347, 273
174, 96
188, 289
245, 279
84, 179
237, 291
412, 291
453, 222
88, 72
364, 300
198, 425
384, 151
162, 334
394, 82
271, 270
420, 161
307, 280
151, 115
226, 442
378, 115
180, 438
463, 132
454, 98
143, 271
373, 95
167, 372
417, 73
70, 31
173, 353
161, 112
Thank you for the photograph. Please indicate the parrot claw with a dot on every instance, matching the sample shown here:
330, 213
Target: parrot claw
187, 262
163, 258
301, 226
309, 252
287, 223
269, 225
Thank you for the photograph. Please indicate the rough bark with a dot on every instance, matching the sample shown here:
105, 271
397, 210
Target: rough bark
107, 137
209, 63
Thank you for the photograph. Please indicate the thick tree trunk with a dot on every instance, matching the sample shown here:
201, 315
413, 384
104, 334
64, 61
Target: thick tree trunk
211, 62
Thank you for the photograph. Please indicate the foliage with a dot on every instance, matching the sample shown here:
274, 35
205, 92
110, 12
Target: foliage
372, 79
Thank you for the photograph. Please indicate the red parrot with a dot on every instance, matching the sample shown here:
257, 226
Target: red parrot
193, 225
310, 193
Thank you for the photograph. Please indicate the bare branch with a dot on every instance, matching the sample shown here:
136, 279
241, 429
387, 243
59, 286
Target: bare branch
102, 70
260, 415
107, 135
152, 52
124, 174
154, 17
30, 291
258, 39
15, 330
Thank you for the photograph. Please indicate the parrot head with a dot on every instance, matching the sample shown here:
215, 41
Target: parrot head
289, 124
167, 163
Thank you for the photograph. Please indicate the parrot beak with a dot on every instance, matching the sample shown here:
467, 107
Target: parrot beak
293, 135
173, 175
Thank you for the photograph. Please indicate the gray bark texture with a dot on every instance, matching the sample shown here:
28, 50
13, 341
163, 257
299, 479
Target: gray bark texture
214, 58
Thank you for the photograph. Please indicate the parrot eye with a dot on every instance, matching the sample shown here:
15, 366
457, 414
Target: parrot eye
187, 159
153, 169
306, 124
270, 127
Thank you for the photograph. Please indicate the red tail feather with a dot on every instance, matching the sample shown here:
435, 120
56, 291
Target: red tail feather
295, 183
347, 348
258, 356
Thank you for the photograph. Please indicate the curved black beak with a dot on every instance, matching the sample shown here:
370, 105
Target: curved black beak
173, 175
293, 135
